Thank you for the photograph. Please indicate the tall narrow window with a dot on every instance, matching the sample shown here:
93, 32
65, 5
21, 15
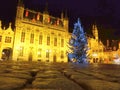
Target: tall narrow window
32, 38
39, 52
48, 40
62, 54
0, 38
8, 39
47, 53
40, 39
21, 49
23, 37
62, 42
55, 41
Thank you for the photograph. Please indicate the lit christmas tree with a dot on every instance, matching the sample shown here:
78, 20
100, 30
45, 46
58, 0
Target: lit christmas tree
78, 44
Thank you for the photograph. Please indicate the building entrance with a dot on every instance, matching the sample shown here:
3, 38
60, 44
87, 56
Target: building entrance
54, 58
6, 54
30, 56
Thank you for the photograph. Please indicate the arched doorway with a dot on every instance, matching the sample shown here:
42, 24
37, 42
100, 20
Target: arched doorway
30, 56
95, 60
6, 54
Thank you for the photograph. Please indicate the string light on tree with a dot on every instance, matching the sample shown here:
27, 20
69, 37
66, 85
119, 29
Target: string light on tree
78, 44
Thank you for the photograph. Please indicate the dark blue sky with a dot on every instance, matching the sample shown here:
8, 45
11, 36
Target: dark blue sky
105, 13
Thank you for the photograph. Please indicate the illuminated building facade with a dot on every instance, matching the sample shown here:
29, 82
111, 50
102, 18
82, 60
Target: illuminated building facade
112, 50
37, 37
98, 52
96, 47
42, 37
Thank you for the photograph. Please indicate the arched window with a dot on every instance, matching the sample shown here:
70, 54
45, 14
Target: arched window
32, 38
48, 40
23, 37
0, 38
39, 52
62, 42
40, 38
55, 41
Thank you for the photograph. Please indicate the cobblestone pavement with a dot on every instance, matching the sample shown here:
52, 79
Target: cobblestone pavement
58, 76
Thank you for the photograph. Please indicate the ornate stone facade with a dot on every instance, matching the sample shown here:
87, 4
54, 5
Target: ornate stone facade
96, 47
41, 37
37, 37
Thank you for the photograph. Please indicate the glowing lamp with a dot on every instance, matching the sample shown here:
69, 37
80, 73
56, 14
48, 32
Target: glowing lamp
26, 14
48, 19
48, 50
3, 52
94, 54
58, 22
38, 53
38, 17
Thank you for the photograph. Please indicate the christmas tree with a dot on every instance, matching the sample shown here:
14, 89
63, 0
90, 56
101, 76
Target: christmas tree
78, 44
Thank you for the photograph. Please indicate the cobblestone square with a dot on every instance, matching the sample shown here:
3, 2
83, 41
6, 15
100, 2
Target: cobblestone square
58, 76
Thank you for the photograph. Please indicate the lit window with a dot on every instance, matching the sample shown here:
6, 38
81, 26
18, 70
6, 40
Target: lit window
48, 40
23, 37
47, 53
21, 51
39, 52
32, 38
55, 41
62, 42
40, 39
0, 38
8, 39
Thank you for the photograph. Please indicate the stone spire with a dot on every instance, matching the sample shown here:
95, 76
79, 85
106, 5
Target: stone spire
46, 8
10, 25
0, 24
62, 15
119, 45
95, 31
19, 12
66, 16
20, 3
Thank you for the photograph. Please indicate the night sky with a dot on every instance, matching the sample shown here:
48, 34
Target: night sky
105, 13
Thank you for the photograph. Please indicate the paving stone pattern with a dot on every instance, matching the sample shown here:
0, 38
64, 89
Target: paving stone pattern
58, 76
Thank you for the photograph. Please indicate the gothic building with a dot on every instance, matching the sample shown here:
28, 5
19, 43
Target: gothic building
100, 53
96, 47
41, 37
37, 37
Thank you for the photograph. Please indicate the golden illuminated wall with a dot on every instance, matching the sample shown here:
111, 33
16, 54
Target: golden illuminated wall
96, 48
6, 39
41, 37
29, 31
